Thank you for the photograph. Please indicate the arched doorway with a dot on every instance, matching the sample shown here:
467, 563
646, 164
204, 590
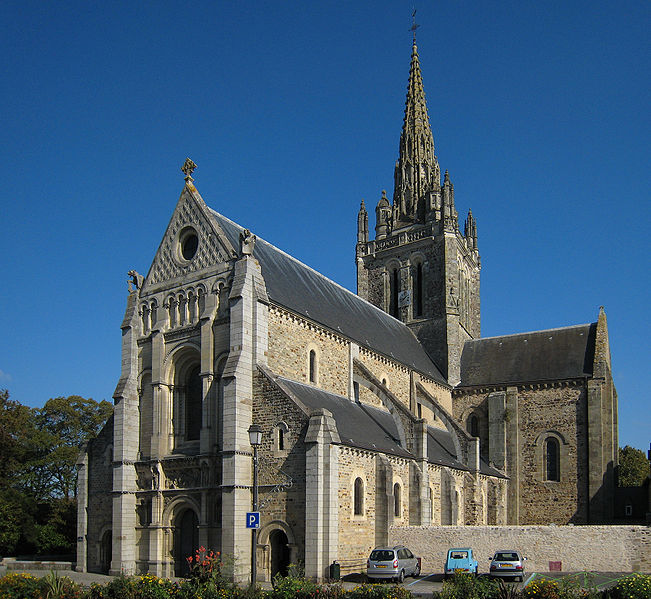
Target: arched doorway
106, 551
186, 540
279, 552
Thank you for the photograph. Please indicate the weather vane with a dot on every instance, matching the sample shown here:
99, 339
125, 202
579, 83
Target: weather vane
414, 25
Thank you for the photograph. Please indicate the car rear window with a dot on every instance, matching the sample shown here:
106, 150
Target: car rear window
458, 554
507, 557
381, 555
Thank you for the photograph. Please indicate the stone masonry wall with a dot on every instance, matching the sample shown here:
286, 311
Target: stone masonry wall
100, 480
563, 410
442, 394
578, 548
290, 340
397, 378
357, 533
272, 407
559, 409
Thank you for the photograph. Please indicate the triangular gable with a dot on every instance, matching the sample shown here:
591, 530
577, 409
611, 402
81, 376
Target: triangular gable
214, 247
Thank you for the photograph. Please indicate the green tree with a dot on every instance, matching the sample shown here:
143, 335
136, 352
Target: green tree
38, 452
64, 424
15, 421
633, 467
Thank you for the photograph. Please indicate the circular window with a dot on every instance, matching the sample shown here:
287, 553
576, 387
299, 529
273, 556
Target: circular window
188, 243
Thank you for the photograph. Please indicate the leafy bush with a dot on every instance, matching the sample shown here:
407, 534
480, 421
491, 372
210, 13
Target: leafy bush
293, 585
383, 591
54, 586
19, 586
635, 586
466, 586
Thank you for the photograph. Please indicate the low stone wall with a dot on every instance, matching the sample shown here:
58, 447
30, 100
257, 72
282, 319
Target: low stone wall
11, 563
577, 548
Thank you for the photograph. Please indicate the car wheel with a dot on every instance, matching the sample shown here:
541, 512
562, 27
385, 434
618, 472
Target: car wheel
401, 576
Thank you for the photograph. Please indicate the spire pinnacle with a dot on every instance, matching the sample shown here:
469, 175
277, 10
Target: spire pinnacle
187, 169
417, 171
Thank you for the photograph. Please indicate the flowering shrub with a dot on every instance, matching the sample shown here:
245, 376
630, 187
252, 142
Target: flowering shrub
19, 586
635, 586
542, 588
205, 564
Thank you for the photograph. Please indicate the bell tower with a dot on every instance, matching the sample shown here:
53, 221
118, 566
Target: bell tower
420, 268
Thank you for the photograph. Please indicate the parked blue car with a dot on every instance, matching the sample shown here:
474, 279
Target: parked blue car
460, 560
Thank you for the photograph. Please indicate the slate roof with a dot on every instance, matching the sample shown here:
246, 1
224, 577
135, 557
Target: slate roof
359, 425
554, 354
302, 290
366, 427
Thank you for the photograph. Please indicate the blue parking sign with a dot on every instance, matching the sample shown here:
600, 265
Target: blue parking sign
253, 519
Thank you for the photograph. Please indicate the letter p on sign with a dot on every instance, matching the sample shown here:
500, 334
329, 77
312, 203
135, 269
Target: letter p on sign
253, 519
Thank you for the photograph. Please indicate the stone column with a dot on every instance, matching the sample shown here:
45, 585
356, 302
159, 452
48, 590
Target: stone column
248, 332
497, 429
595, 452
155, 528
513, 456
321, 490
420, 447
82, 510
126, 417
208, 433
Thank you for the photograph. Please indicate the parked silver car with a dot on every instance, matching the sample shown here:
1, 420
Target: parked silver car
508, 564
392, 563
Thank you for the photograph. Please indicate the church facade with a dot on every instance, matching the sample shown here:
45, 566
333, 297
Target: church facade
377, 408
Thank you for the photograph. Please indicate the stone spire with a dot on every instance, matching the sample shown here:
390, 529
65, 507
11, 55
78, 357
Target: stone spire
362, 224
417, 172
470, 231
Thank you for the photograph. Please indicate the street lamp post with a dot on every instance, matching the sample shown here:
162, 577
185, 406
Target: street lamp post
255, 438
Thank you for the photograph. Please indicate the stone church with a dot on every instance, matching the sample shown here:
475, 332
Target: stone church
378, 408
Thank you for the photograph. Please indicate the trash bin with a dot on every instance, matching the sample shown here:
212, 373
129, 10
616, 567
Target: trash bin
335, 571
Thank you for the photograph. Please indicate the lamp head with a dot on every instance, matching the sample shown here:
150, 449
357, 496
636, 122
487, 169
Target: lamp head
255, 435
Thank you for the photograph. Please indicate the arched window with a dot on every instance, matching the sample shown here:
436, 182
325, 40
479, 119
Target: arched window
418, 290
193, 405
473, 425
281, 440
396, 500
358, 497
552, 459
312, 366
394, 289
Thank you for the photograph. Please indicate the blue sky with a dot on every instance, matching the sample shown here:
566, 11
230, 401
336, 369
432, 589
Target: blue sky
292, 112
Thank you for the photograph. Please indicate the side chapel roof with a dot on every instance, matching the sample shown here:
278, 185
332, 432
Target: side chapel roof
553, 354
366, 427
302, 290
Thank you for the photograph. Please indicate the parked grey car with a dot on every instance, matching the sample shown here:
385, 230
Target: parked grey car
392, 563
507, 564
